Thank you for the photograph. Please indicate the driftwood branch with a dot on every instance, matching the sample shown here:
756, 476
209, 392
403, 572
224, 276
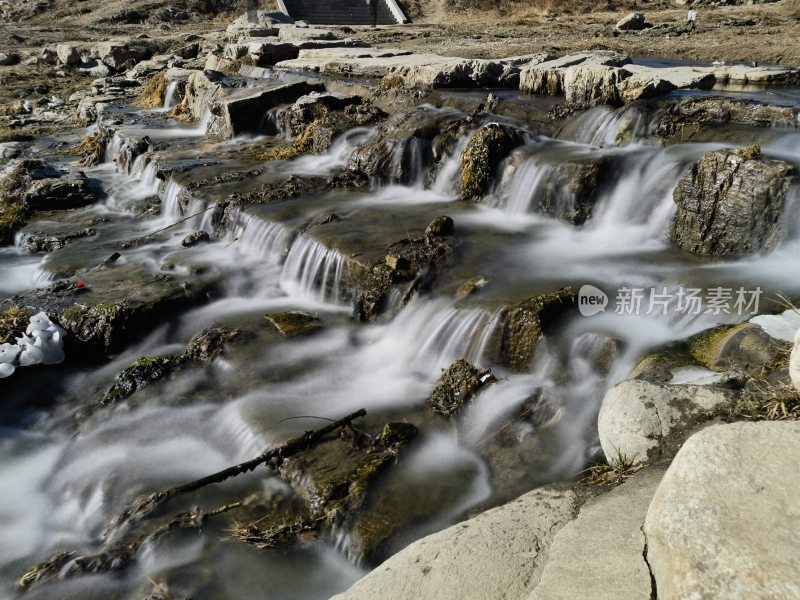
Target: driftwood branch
144, 505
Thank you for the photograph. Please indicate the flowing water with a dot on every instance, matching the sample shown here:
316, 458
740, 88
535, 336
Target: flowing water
62, 485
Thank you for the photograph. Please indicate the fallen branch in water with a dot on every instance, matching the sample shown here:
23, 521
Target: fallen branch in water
144, 505
142, 239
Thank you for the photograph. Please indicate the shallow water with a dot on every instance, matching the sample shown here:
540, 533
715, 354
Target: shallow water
62, 485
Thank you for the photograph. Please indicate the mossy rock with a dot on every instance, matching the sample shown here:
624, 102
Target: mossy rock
481, 159
742, 347
292, 323
13, 322
457, 386
523, 326
205, 347
440, 227
13, 217
141, 373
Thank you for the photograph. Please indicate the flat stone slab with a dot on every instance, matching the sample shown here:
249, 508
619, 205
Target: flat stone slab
599, 555
498, 554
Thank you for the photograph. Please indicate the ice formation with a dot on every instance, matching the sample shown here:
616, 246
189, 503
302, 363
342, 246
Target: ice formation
42, 343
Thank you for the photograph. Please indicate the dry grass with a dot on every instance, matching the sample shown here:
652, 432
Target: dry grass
152, 95
613, 473
182, 113
13, 322
272, 537
768, 401
790, 9
93, 150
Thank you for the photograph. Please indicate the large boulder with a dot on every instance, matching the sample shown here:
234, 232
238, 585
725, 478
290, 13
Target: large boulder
724, 522
123, 54
731, 203
498, 554
635, 21
637, 417
68, 54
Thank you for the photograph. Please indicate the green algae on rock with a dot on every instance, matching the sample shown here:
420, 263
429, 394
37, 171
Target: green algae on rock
141, 373
292, 323
481, 159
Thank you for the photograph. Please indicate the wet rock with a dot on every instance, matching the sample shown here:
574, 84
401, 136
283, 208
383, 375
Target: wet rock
13, 217
195, 238
482, 157
116, 306
440, 227
205, 347
743, 348
243, 112
684, 119
409, 266
290, 324
698, 542
68, 55
479, 558
293, 120
730, 203
141, 373
637, 417
401, 148
633, 22
523, 325
42, 241
457, 386
335, 479
40, 186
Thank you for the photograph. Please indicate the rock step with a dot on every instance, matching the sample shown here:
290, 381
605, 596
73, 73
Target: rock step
339, 12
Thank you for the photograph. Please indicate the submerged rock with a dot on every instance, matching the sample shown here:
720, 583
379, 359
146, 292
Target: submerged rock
141, 373
290, 324
730, 203
457, 386
205, 347
195, 238
482, 156
336, 477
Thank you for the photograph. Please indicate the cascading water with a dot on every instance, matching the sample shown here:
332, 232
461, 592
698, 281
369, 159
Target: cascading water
315, 272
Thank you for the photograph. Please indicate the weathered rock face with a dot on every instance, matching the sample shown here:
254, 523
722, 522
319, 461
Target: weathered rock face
498, 554
120, 55
685, 118
68, 54
401, 148
41, 186
292, 120
482, 157
457, 386
730, 203
42, 241
637, 416
243, 112
585, 79
522, 324
141, 373
724, 521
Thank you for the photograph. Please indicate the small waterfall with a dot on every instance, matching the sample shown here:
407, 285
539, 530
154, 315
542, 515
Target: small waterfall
447, 178
170, 95
171, 200
259, 237
408, 161
314, 271
603, 127
531, 183
124, 152
337, 155
642, 194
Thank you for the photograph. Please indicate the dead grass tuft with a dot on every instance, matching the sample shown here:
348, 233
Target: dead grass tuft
182, 113
152, 95
613, 473
93, 150
13, 322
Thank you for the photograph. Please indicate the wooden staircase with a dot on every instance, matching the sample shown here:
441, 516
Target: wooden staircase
342, 12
